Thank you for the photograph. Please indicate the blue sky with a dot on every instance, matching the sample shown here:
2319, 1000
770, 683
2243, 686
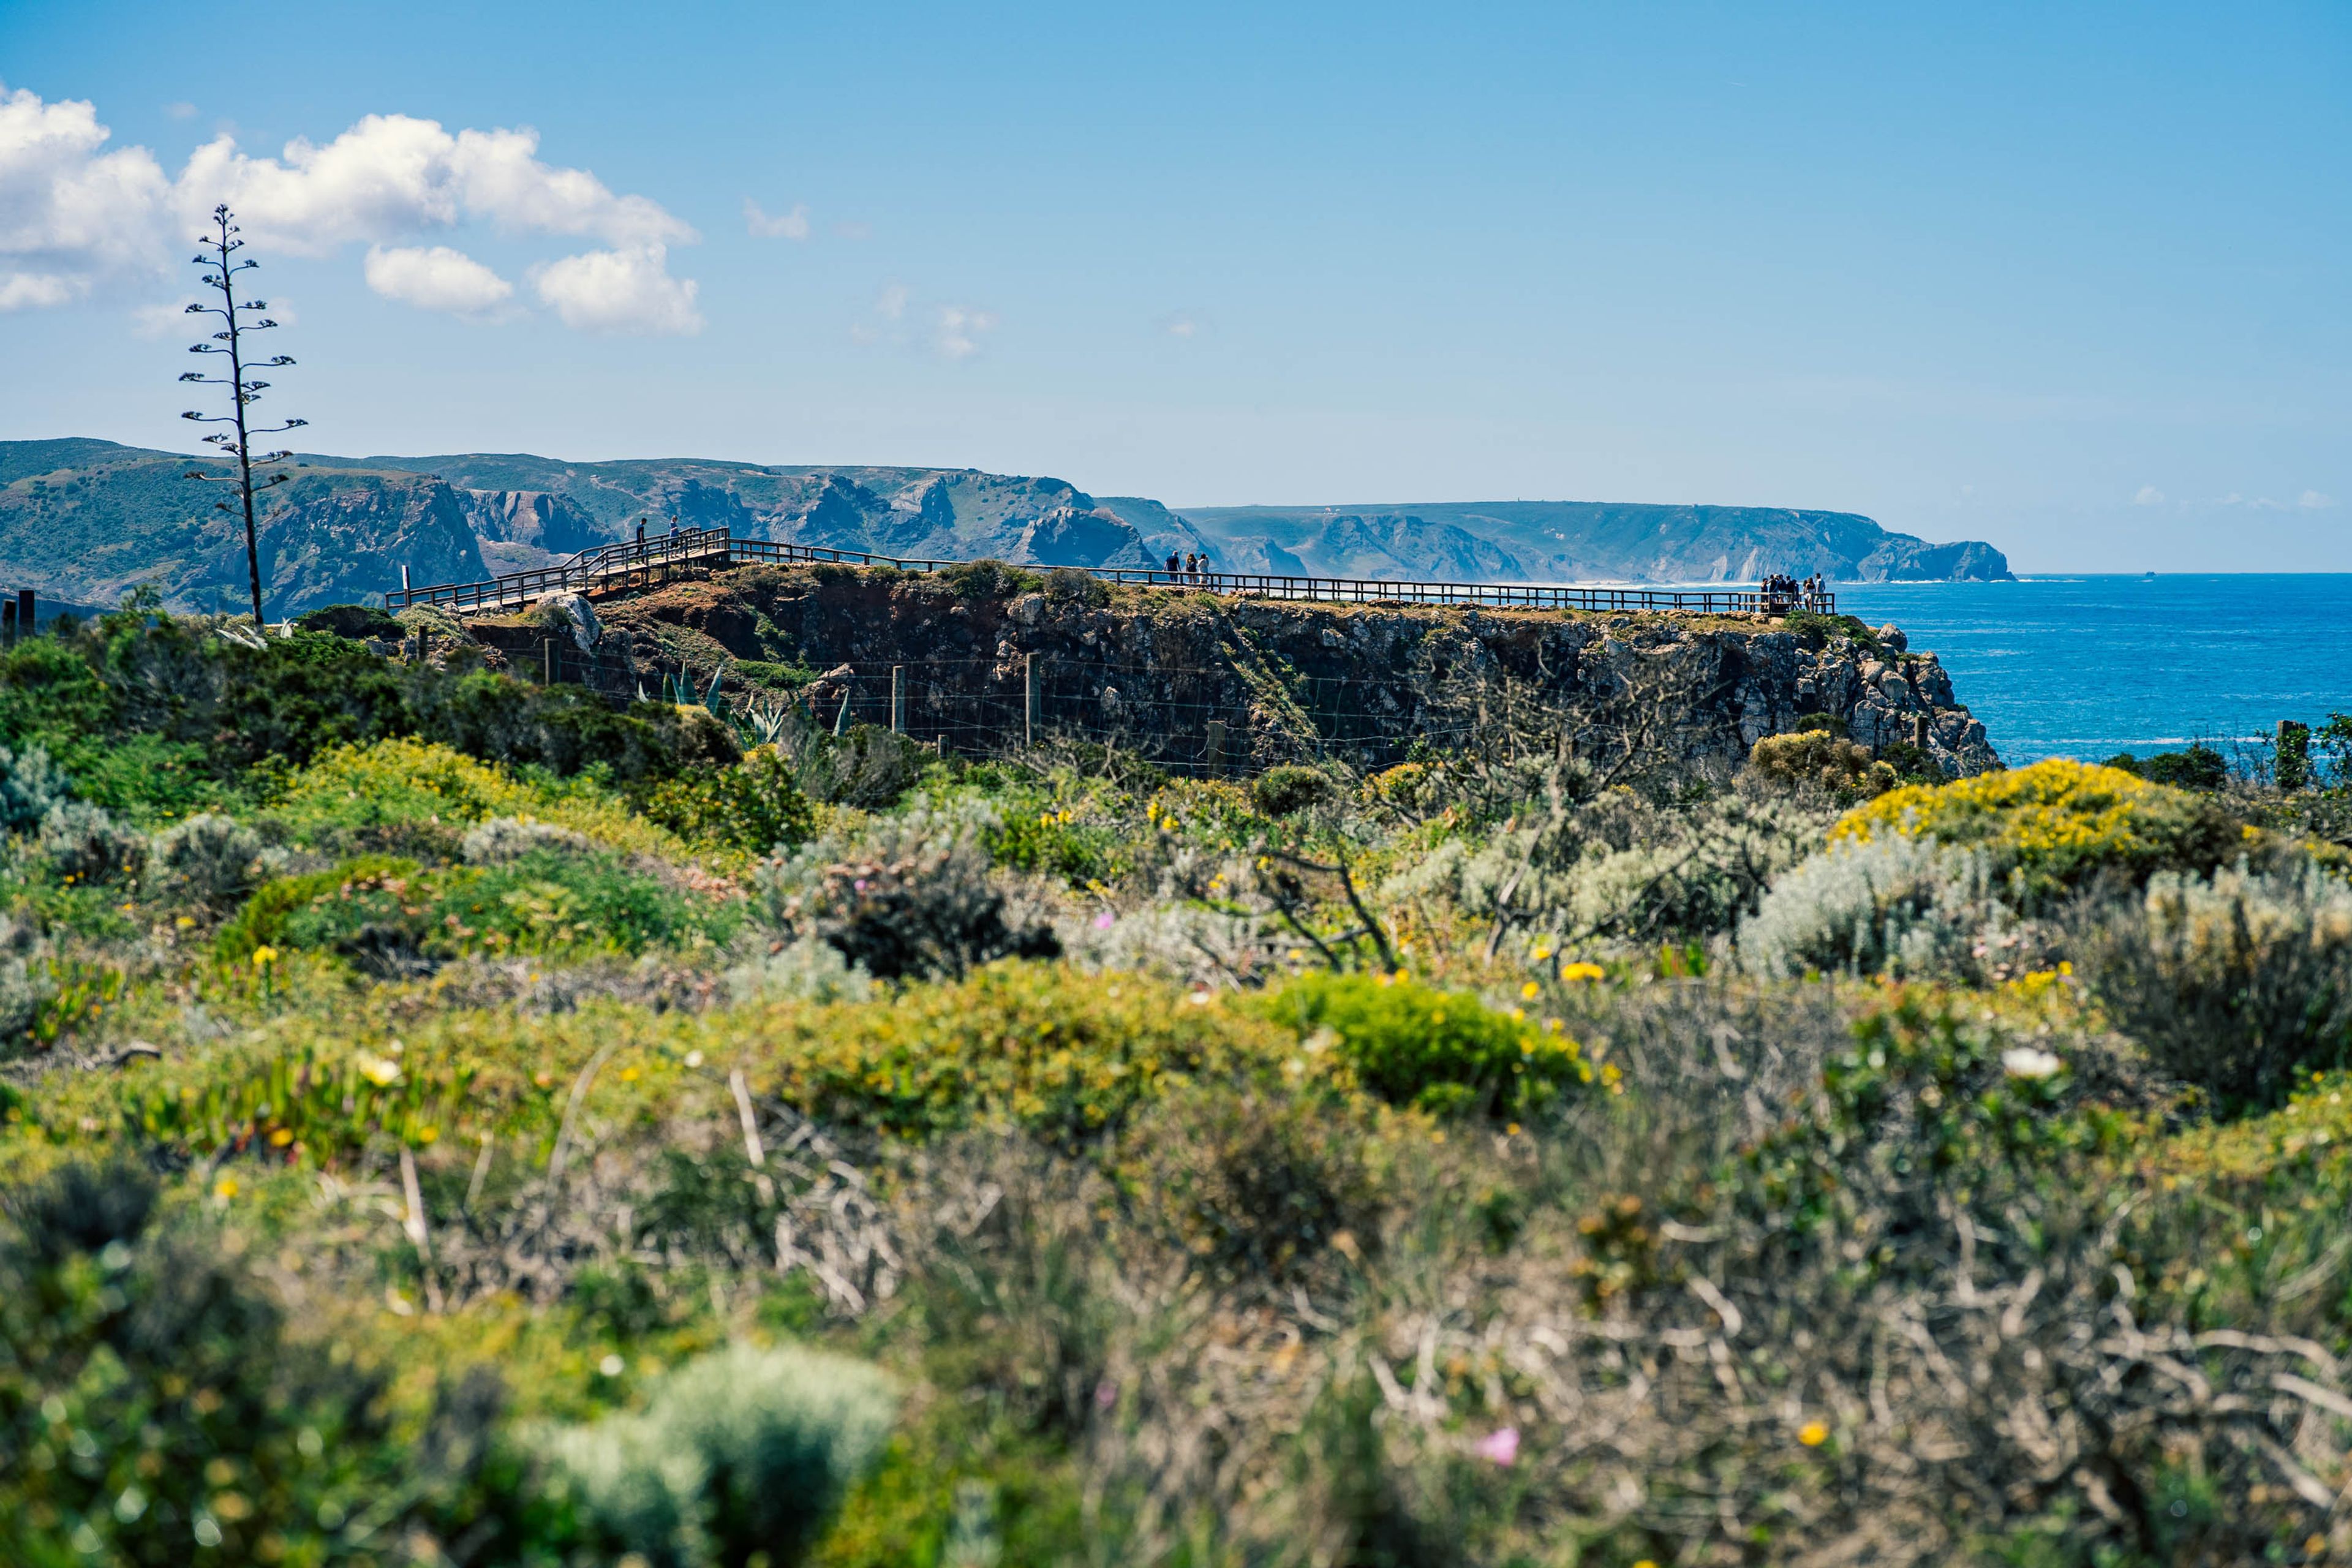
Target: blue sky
2077, 280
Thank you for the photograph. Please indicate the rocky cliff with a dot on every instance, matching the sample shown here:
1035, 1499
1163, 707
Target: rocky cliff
1154, 668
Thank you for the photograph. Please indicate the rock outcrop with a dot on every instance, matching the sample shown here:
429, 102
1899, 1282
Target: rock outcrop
1154, 668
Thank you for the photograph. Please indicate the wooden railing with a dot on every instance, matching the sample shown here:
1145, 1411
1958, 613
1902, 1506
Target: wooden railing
629, 563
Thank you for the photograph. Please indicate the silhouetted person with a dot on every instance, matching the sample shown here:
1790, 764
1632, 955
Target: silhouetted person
1173, 559
641, 533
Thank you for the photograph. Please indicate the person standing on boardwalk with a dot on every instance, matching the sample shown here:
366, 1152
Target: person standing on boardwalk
641, 533
1173, 559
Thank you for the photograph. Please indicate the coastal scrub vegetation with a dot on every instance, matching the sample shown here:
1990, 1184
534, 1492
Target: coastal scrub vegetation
443, 1119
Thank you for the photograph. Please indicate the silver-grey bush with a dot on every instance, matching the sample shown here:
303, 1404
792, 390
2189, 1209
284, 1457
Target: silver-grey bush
741, 1451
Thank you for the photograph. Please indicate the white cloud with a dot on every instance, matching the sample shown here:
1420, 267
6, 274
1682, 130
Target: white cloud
393, 175
958, 333
891, 303
2312, 500
1183, 324
436, 278
181, 111
793, 224
619, 291
2148, 496
75, 217
72, 215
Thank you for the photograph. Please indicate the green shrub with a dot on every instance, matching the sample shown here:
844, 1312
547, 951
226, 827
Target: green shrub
2198, 767
1841, 768
741, 1455
545, 902
1067, 587
1286, 790
1255, 1183
564, 729
1054, 843
154, 1408
989, 579
1817, 629
756, 806
363, 790
2232, 984
357, 622
261, 922
1436, 1050
1067, 1057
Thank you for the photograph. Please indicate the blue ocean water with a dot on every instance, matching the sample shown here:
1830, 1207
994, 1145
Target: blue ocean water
2087, 667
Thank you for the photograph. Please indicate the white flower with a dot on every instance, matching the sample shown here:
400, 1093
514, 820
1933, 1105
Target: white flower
2024, 1061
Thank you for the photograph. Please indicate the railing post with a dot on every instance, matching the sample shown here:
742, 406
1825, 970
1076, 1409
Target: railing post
898, 700
1029, 706
28, 620
547, 660
1214, 759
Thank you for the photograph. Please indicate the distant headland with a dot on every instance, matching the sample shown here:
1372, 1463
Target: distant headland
85, 519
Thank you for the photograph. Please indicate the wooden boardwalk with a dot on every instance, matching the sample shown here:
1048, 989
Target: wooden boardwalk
629, 565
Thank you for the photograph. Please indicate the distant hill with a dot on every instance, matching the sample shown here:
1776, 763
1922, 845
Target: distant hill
84, 520
1587, 541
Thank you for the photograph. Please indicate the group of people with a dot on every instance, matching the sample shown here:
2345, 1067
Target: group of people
1780, 588
1191, 568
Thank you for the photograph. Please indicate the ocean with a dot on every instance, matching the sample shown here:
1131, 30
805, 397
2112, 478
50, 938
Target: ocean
2090, 665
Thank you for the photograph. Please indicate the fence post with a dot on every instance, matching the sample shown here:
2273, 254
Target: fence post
1216, 749
547, 660
897, 698
1029, 716
27, 623
7, 621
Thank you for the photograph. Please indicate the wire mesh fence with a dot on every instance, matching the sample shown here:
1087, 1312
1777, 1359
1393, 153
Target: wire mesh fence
1202, 720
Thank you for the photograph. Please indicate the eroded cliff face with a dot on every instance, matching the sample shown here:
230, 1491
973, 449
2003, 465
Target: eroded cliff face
1157, 667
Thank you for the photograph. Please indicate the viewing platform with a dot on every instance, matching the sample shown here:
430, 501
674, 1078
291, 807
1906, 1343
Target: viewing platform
631, 564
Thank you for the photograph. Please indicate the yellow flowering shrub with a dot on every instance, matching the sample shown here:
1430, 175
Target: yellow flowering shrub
2056, 824
413, 781
1064, 1056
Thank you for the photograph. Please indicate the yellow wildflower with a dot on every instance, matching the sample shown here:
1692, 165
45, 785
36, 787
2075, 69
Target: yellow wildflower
1813, 1434
263, 956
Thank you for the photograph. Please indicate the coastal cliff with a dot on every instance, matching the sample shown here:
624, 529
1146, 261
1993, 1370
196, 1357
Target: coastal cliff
1155, 667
